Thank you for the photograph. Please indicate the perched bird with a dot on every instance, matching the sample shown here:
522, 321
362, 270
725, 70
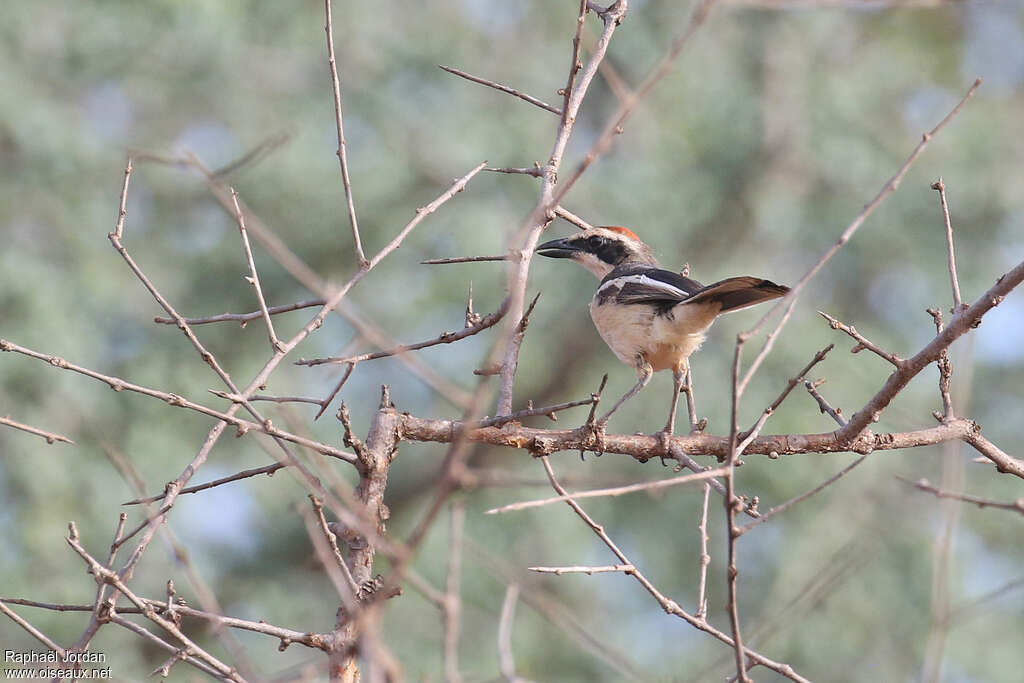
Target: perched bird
651, 318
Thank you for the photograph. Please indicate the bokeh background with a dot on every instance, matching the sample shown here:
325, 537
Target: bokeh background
777, 125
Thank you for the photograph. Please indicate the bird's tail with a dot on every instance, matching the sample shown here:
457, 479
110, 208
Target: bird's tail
738, 292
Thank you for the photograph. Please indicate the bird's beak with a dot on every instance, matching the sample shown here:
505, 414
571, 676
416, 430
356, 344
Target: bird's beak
558, 249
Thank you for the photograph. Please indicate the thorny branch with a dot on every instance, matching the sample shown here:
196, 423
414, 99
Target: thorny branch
354, 634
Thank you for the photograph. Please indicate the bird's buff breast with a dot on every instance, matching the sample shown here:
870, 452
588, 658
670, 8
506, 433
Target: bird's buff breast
664, 341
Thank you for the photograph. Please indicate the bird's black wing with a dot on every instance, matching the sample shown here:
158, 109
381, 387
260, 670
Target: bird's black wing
653, 286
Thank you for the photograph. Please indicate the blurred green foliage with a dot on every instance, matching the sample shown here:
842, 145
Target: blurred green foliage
751, 157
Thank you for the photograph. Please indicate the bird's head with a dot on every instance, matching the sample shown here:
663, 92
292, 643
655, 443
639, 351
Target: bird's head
600, 250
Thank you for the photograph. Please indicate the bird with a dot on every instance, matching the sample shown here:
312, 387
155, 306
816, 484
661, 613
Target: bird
651, 318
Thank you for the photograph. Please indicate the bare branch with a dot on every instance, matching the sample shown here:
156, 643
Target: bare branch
570, 217
107, 576
488, 321
869, 208
626, 109
958, 326
705, 557
243, 318
123, 211
244, 426
577, 569
542, 214
1003, 461
782, 507
643, 447
508, 612
342, 154
536, 170
503, 88
945, 370
161, 643
254, 278
452, 603
862, 341
547, 411
610, 492
670, 606
925, 485
49, 436
462, 259
32, 630
957, 300
756, 429
823, 405
245, 474
332, 540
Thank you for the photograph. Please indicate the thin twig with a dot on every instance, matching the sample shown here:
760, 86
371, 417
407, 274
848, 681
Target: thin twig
254, 278
318, 509
766, 348
177, 401
862, 341
123, 211
228, 396
527, 239
963, 611
243, 318
334, 392
506, 661
579, 569
670, 606
488, 321
245, 474
628, 107
452, 602
342, 154
570, 217
49, 436
945, 370
823, 405
731, 503
160, 642
462, 259
752, 433
503, 88
705, 557
925, 485
33, 631
611, 492
536, 171
961, 323
106, 575
957, 300
548, 411
312, 281
869, 208
782, 507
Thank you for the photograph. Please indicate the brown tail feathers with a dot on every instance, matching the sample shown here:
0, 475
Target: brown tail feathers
739, 292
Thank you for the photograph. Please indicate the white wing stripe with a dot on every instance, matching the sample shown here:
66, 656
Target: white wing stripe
647, 282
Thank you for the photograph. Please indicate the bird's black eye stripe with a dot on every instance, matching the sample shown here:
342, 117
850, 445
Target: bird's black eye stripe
595, 242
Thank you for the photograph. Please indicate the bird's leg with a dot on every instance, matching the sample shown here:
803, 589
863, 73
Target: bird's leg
644, 370
678, 373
